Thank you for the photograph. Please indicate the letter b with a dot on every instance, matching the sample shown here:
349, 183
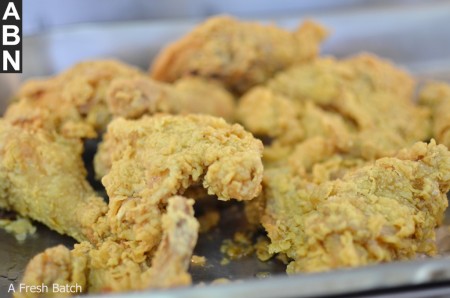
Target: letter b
14, 34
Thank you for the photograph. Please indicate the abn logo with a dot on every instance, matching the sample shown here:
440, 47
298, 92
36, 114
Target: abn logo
11, 36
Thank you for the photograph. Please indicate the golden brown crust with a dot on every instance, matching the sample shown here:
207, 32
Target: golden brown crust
110, 267
384, 211
239, 54
43, 177
71, 103
178, 151
132, 98
436, 95
148, 162
363, 104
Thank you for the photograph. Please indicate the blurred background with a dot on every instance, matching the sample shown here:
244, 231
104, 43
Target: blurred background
43, 15
415, 34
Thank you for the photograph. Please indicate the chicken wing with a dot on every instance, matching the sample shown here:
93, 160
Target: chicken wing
239, 54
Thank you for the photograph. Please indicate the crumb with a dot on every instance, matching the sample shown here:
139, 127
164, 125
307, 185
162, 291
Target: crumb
283, 258
262, 275
262, 249
221, 280
238, 247
20, 227
225, 262
198, 260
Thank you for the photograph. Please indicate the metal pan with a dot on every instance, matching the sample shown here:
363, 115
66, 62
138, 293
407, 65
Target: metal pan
417, 37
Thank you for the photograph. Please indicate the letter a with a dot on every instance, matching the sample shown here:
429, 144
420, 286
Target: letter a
11, 288
11, 11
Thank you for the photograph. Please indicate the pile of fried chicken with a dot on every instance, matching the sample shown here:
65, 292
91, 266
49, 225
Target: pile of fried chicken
354, 169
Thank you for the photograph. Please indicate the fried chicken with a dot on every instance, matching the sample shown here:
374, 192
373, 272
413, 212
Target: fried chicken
380, 212
315, 160
71, 103
146, 163
337, 191
109, 268
133, 97
363, 103
200, 147
436, 95
80, 102
42, 176
319, 159
239, 54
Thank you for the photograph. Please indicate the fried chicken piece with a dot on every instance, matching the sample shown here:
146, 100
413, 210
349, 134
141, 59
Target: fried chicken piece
325, 80
239, 54
289, 123
42, 176
276, 116
57, 265
181, 230
436, 95
73, 102
319, 159
147, 162
200, 147
108, 267
380, 212
365, 101
133, 97
80, 102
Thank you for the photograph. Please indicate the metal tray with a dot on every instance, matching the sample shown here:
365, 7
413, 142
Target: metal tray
415, 35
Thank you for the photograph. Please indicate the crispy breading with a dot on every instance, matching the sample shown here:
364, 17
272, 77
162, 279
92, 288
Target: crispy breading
239, 54
71, 103
266, 113
108, 267
319, 159
436, 95
133, 97
326, 80
42, 176
199, 147
363, 102
381, 212
152, 233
